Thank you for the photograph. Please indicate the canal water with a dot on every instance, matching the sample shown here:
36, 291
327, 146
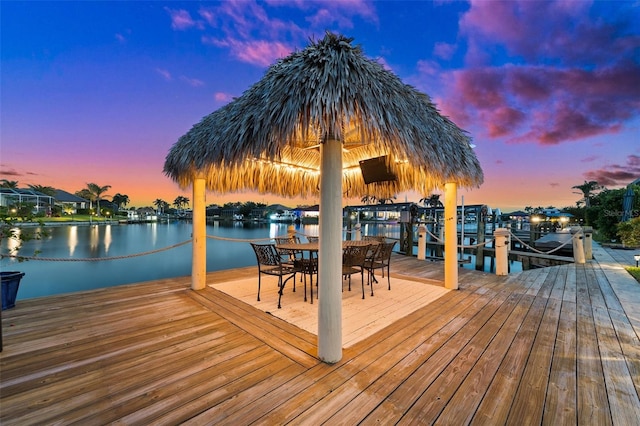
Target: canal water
81, 253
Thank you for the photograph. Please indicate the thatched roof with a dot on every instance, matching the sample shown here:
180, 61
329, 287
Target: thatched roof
266, 139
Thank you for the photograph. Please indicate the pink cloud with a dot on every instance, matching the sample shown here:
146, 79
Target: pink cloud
222, 97
181, 19
251, 35
258, 52
615, 174
328, 13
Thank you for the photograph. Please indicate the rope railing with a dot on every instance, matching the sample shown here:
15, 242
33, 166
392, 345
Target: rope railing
576, 235
92, 259
241, 240
484, 243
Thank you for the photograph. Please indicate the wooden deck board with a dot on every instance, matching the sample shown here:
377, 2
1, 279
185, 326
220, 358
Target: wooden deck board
546, 346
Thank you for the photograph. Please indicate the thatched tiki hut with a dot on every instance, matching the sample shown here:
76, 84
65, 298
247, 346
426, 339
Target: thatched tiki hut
302, 130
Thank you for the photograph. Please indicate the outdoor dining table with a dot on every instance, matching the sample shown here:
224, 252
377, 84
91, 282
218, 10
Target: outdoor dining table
310, 249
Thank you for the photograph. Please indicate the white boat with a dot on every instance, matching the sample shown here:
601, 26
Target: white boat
286, 216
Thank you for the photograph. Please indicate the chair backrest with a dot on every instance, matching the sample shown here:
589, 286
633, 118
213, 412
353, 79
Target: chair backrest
266, 254
355, 255
385, 250
285, 240
313, 239
378, 238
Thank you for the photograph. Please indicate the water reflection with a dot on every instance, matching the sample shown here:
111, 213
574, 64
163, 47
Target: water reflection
107, 238
14, 243
73, 240
94, 238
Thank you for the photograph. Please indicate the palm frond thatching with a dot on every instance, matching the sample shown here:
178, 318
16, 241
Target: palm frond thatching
264, 140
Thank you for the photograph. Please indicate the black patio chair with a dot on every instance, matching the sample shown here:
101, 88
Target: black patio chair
289, 257
381, 259
270, 263
353, 262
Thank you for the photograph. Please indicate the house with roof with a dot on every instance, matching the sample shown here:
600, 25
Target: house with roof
70, 203
13, 197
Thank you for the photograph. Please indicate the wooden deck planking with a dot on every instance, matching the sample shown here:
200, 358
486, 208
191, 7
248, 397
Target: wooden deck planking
592, 404
386, 354
546, 346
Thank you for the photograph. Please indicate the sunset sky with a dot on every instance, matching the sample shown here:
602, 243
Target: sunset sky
99, 91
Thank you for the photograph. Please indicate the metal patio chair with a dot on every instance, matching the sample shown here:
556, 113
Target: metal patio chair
353, 262
380, 260
270, 263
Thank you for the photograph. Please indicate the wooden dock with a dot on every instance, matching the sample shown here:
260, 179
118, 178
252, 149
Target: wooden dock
551, 346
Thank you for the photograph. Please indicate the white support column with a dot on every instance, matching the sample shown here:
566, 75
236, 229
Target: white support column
502, 251
330, 253
450, 236
422, 242
358, 231
199, 244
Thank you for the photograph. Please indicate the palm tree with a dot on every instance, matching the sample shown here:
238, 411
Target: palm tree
432, 200
96, 192
160, 205
368, 199
587, 190
47, 190
180, 201
120, 200
13, 184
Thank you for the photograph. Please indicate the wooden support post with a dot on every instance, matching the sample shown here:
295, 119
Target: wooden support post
422, 242
502, 250
199, 244
578, 247
480, 237
450, 236
588, 242
330, 253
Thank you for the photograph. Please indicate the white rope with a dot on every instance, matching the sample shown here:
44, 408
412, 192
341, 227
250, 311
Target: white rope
306, 235
576, 235
241, 240
126, 256
92, 259
461, 245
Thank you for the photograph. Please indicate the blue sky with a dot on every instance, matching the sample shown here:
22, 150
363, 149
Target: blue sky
99, 91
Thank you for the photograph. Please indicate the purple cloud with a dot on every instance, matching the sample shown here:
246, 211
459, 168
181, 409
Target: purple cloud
615, 174
9, 172
580, 76
192, 81
164, 74
444, 50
